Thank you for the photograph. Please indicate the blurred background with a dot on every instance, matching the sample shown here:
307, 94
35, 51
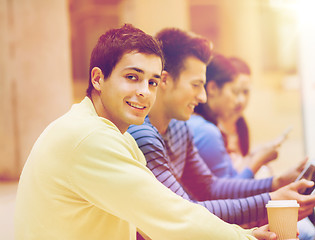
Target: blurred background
45, 48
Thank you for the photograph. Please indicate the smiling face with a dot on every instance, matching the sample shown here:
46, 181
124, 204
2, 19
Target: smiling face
230, 101
127, 95
184, 94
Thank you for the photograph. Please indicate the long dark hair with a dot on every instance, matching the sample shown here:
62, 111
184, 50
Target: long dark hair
222, 70
241, 124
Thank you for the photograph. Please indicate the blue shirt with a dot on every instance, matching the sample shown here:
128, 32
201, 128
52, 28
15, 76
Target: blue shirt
209, 142
174, 160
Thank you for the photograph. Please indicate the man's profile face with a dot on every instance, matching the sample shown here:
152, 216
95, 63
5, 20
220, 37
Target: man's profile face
130, 91
188, 90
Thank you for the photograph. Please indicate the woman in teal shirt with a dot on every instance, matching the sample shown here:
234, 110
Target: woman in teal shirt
227, 87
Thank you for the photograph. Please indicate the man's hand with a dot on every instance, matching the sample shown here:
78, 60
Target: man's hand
289, 176
291, 192
262, 233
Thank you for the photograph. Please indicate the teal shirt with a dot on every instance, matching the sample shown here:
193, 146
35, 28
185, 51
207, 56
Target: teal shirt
209, 142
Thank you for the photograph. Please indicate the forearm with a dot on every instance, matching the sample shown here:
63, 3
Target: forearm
239, 211
261, 157
239, 188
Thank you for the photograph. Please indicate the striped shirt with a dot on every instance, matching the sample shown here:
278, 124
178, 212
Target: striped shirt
175, 162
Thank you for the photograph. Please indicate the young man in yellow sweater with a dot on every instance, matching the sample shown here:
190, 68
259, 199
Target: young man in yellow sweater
86, 178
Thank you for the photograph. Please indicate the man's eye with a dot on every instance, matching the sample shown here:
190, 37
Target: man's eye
131, 77
153, 83
197, 85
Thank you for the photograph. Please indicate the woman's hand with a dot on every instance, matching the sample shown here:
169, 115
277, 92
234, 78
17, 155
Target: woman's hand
261, 157
267, 152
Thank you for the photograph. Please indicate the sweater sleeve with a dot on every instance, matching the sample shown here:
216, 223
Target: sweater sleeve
246, 173
109, 172
249, 196
209, 142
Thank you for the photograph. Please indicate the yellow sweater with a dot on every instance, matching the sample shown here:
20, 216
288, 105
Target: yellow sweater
85, 180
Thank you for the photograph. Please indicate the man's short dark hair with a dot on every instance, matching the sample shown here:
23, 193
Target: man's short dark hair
177, 45
113, 44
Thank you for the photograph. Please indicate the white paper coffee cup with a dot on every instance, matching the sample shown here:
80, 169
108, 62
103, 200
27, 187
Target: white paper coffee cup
283, 217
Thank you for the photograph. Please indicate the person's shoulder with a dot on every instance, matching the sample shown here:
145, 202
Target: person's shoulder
145, 129
198, 123
178, 128
104, 138
133, 129
87, 125
83, 122
145, 134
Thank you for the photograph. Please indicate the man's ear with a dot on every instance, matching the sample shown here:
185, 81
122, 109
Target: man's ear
165, 79
212, 88
96, 78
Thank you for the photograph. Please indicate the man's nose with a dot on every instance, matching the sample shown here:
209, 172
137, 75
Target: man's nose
202, 96
143, 89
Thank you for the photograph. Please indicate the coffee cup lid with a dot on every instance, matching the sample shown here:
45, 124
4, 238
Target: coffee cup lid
282, 203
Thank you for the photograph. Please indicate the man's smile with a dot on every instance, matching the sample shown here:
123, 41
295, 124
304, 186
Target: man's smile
135, 105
